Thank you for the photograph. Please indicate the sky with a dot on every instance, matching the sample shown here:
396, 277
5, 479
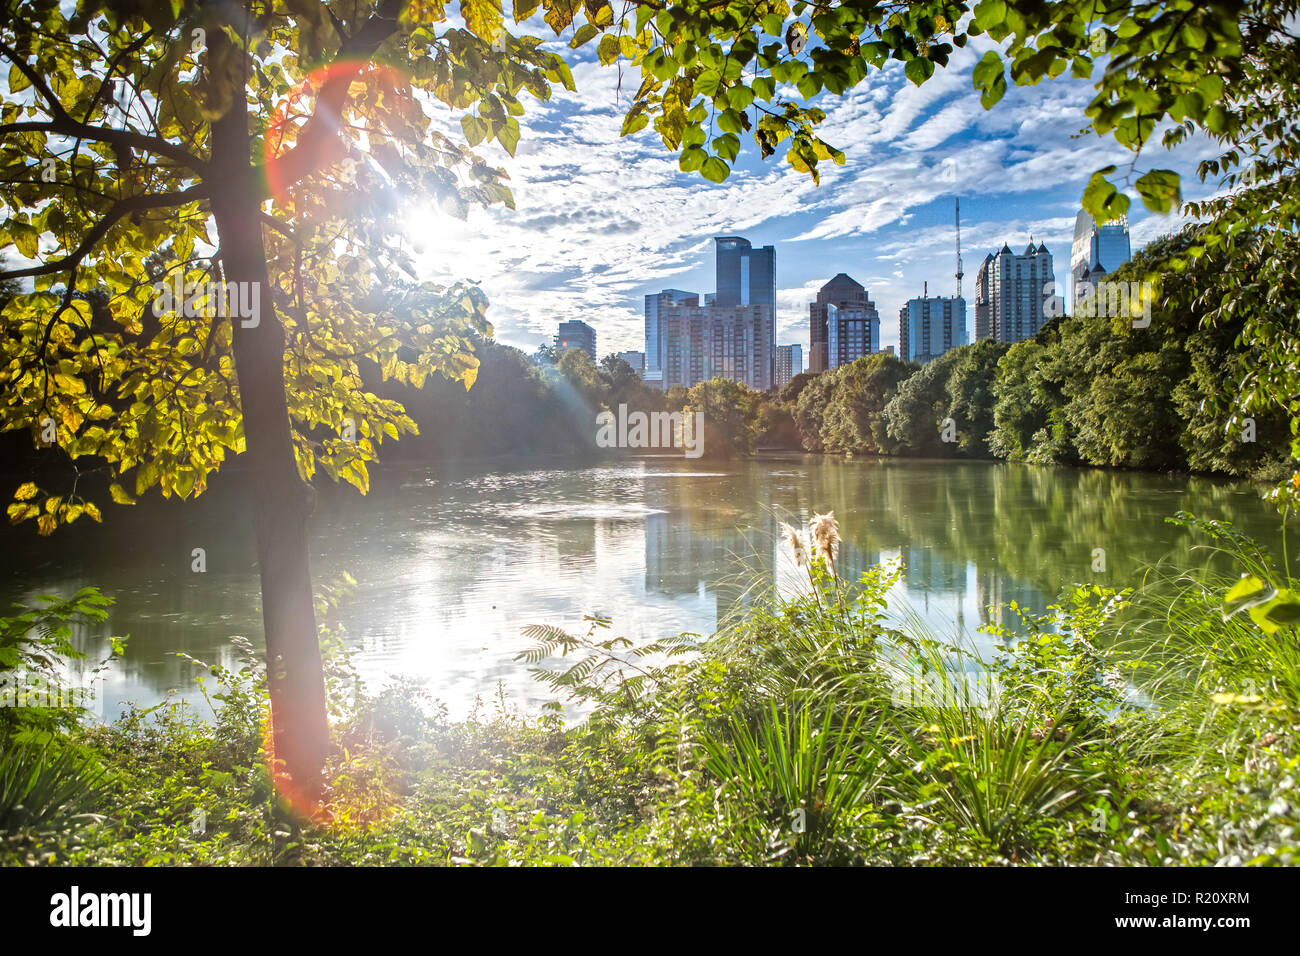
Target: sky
602, 220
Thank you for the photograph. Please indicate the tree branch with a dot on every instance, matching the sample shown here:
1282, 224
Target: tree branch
35, 79
123, 207
122, 138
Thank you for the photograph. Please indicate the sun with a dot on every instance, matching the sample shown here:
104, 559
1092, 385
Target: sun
447, 249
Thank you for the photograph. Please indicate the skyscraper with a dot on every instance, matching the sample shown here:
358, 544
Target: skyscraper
745, 275
736, 325
852, 331
653, 306
1097, 250
842, 292
1015, 294
700, 342
576, 335
928, 326
789, 363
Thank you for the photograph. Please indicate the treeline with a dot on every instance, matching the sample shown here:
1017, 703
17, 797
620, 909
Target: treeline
1090, 390
548, 403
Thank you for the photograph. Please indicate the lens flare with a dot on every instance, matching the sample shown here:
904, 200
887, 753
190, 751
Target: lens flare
296, 107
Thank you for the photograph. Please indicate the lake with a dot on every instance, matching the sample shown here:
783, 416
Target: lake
451, 562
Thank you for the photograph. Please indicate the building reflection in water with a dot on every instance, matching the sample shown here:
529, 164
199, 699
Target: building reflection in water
452, 565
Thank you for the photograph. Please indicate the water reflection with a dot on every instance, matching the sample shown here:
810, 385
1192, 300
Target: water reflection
452, 564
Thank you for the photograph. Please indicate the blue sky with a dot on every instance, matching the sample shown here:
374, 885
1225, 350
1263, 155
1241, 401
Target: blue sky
602, 220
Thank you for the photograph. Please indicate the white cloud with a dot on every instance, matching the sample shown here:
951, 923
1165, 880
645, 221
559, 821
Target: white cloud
603, 220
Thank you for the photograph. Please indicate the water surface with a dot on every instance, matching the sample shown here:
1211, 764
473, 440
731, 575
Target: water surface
452, 562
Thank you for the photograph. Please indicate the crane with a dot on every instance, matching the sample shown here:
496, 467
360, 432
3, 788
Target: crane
959, 271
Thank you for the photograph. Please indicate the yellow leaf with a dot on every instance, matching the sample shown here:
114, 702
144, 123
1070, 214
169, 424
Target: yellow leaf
21, 512
46, 524
26, 491
119, 495
93, 511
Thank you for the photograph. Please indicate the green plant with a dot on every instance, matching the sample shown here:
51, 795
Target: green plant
44, 784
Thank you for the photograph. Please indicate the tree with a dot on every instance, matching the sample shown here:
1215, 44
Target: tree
971, 389
915, 416
730, 412
625, 387
1027, 425
854, 421
264, 147
810, 408
792, 389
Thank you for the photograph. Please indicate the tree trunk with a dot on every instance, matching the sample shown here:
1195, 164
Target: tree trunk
280, 501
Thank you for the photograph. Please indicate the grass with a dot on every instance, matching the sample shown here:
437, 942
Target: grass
1119, 728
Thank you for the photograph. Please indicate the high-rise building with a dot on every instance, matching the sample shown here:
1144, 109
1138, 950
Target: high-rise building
1097, 251
842, 292
700, 342
576, 335
928, 326
1015, 294
634, 359
852, 331
653, 304
789, 363
745, 275
724, 326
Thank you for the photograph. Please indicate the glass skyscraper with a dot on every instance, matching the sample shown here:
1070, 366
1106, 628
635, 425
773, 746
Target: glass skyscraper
745, 275
733, 334
1097, 250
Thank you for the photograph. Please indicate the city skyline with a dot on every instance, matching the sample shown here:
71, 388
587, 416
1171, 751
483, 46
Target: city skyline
885, 217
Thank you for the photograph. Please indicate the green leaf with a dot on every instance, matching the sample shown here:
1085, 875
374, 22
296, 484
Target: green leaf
809, 85
482, 17
633, 123
508, 135
989, 98
607, 51
715, 170
988, 69
475, 130
1159, 189
1246, 593
706, 84
918, 70
990, 13
692, 158
26, 238
729, 121
17, 79
1102, 199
